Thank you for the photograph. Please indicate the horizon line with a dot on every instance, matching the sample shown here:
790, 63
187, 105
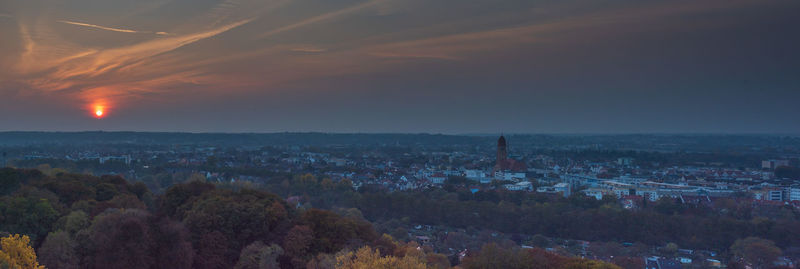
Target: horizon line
423, 133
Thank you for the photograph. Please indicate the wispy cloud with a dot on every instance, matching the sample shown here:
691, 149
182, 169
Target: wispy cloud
100, 27
322, 18
120, 30
308, 50
161, 61
109, 70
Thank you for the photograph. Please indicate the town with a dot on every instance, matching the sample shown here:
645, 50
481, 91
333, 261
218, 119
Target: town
759, 172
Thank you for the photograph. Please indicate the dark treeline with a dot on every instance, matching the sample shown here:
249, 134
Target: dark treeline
83, 221
582, 218
693, 226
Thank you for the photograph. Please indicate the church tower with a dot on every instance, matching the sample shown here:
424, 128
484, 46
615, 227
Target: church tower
502, 153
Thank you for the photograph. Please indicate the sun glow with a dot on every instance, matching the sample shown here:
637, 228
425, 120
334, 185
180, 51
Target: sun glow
99, 111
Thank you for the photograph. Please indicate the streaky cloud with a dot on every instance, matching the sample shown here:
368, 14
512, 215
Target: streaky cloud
321, 18
120, 30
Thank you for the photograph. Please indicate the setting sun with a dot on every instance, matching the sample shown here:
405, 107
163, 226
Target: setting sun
99, 111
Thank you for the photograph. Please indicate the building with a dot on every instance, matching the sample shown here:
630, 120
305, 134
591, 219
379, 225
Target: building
503, 162
562, 188
626, 161
520, 186
437, 178
775, 195
509, 176
661, 263
772, 164
594, 192
768, 194
793, 193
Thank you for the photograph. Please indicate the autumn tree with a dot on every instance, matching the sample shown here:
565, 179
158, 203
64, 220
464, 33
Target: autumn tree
494, 256
298, 243
58, 251
16, 253
332, 232
242, 217
259, 256
122, 239
629, 262
588, 264
368, 258
212, 252
172, 245
437, 260
756, 251
322, 261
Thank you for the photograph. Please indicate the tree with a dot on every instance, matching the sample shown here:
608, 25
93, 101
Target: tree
629, 262
9, 180
436, 260
259, 256
298, 243
26, 215
16, 252
332, 232
122, 239
75, 221
58, 251
367, 258
494, 256
539, 240
605, 250
242, 217
212, 251
758, 252
670, 249
588, 264
105, 191
787, 172
322, 261
173, 249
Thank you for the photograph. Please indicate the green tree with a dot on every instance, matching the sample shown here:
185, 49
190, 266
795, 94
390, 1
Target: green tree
29, 216
10, 180
75, 221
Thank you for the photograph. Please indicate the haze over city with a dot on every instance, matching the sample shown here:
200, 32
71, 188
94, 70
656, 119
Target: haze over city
400, 66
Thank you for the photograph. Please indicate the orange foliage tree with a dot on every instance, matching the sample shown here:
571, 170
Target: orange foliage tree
17, 253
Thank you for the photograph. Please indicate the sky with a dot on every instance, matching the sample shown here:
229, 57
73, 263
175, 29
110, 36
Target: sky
408, 66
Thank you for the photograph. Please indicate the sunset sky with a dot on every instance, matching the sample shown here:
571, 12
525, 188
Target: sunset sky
451, 66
